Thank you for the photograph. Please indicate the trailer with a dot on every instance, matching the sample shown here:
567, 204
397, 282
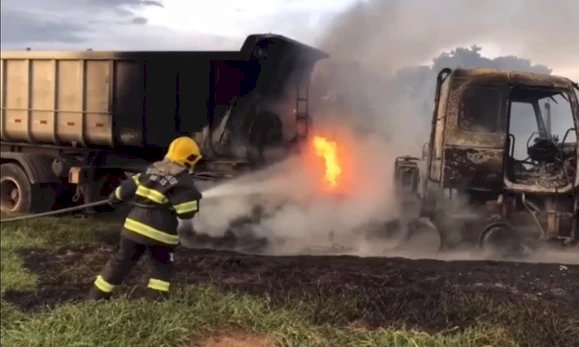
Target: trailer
74, 123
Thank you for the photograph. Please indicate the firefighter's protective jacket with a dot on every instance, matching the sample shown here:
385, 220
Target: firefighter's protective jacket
162, 193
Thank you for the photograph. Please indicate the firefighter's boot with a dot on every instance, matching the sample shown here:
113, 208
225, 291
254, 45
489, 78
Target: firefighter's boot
97, 294
156, 295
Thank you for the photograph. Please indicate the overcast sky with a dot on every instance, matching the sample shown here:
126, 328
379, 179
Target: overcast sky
158, 24
544, 33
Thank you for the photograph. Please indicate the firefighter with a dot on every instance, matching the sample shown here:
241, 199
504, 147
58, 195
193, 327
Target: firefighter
161, 195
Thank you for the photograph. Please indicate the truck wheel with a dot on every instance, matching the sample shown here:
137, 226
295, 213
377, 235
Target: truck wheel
501, 238
422, 233
18, 195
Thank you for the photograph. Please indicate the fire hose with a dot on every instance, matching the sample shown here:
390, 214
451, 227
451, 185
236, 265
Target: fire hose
209, 196
56, 212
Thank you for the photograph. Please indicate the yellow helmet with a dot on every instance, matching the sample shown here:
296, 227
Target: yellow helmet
184, 151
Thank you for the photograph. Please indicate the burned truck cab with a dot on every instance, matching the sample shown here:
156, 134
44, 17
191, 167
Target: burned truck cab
507, 142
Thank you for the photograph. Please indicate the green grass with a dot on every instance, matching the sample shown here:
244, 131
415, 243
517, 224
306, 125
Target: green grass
192, 313
13, 275
44, 233
56, 232
197, 312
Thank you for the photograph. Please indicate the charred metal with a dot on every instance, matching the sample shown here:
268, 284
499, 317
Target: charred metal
506, 142
407, 173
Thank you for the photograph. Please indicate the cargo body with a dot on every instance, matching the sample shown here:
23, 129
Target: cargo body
118, 111
114, 100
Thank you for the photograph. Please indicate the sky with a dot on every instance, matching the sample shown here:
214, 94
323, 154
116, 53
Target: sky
160, 24
543, 33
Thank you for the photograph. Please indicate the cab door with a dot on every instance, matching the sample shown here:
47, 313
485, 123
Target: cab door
475, 141
435, 149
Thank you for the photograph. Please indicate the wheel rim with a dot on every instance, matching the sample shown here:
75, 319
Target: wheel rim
10, 194
500, 237
420, 235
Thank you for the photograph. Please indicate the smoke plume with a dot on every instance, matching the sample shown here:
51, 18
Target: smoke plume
375, 100
386, 34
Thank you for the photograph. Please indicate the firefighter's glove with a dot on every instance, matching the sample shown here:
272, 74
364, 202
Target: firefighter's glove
113, 201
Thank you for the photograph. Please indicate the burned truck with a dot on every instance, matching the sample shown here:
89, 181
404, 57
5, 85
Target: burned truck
74, 123
501, 165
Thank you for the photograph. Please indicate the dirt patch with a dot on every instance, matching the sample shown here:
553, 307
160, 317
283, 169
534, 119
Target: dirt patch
538, 303
236, 339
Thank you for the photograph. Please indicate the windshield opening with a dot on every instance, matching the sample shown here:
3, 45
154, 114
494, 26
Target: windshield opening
542, 140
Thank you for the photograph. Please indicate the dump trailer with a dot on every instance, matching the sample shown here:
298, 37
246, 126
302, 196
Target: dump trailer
73, 124
502, 161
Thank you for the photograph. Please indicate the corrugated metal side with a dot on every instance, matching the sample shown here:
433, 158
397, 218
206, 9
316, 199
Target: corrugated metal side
61, 102
104, 102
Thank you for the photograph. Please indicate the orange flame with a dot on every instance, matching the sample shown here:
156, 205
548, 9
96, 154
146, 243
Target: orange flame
328, 150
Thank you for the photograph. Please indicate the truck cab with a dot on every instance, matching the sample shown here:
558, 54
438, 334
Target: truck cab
506, 142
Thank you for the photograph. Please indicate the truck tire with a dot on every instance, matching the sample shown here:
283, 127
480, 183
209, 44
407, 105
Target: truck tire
18, 195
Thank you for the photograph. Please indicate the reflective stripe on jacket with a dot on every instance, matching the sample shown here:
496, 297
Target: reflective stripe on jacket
163, 193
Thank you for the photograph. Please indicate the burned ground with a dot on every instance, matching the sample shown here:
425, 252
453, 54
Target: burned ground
538, 303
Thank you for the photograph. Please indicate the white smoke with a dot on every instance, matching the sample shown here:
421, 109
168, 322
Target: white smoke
376, 114
299, 213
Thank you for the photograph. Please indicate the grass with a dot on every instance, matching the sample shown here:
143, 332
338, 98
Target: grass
197, 312
194, 312
44, 233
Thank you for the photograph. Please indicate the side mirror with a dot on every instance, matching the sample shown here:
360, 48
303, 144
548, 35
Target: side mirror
425, 151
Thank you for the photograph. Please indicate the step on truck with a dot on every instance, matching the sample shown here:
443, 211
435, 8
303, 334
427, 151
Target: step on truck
74, 123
